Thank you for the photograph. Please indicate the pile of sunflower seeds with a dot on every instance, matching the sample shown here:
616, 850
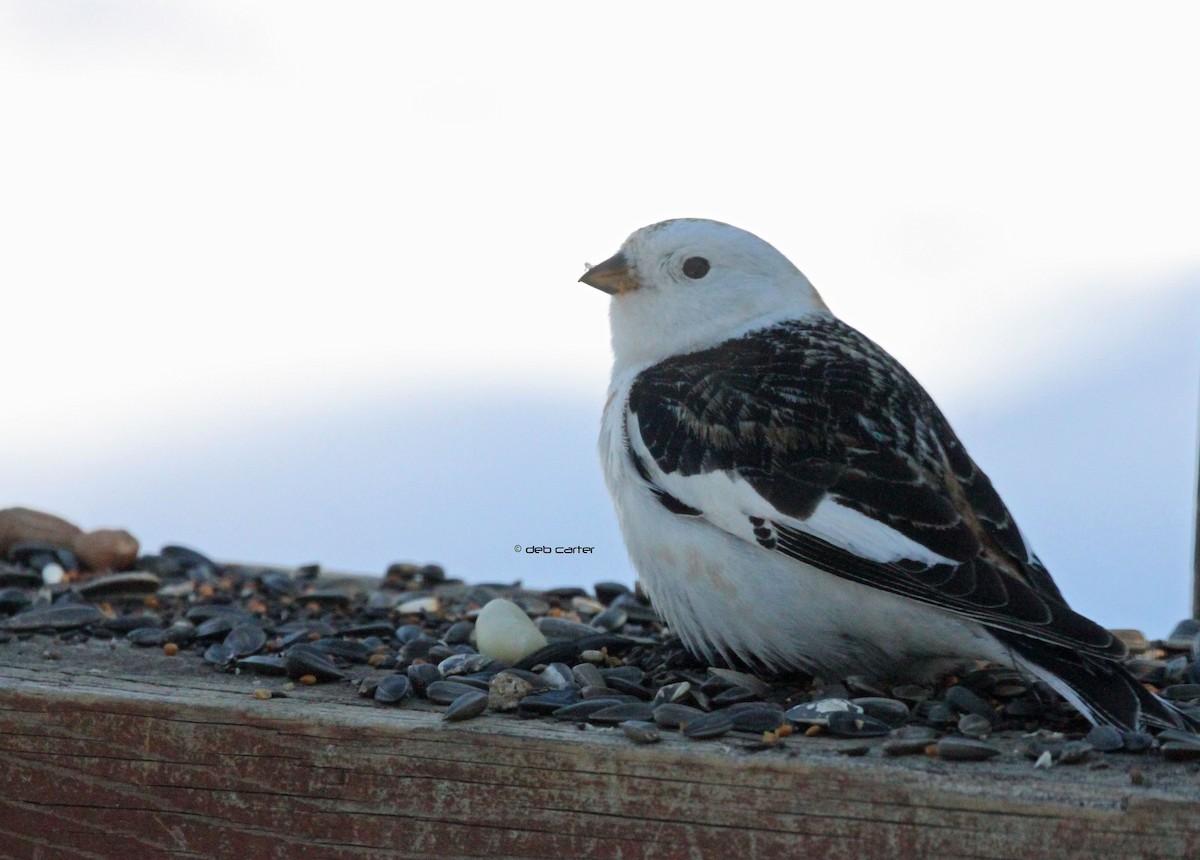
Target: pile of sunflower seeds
609, 661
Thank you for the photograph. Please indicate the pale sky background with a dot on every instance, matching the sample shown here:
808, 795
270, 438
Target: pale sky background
295, 282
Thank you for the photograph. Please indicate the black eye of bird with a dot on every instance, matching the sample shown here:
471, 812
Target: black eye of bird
695, 267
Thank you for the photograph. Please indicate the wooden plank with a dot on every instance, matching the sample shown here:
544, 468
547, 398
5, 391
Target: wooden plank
111, 751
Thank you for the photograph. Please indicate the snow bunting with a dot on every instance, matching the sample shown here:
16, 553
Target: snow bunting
791, 496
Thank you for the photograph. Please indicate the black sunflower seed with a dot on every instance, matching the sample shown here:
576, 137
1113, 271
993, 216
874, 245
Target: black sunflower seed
467, 706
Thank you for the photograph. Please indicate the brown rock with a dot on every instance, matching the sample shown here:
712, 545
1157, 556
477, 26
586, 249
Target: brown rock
23, 524
103, 549
106, 549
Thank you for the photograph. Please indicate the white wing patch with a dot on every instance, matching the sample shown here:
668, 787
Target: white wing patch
865, 537
728, 501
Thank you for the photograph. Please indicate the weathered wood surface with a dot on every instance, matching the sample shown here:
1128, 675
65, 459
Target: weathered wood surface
110, 751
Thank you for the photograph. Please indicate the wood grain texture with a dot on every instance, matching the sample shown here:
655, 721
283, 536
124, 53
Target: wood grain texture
117, 752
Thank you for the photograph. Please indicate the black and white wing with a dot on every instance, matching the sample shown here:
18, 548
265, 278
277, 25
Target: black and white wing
809, 439
813, 442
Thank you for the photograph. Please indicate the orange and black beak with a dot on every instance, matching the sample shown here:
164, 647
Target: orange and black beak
613, 276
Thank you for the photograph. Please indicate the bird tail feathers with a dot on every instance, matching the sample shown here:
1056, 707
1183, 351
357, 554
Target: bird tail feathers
1102, 690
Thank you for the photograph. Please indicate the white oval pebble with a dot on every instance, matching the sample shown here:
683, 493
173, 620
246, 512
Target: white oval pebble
52, 574
504, 632
418, 604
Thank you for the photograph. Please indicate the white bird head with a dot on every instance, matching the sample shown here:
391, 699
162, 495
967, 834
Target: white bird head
683, 285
